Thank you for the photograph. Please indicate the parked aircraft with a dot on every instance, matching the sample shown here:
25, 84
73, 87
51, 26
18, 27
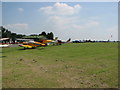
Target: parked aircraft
3, 39
59, 42
4, 45
31, 44
34, 44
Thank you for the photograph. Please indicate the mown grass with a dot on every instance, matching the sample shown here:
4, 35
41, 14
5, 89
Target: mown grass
72, 65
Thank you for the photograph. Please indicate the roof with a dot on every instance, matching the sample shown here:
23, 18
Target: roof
33, 36
24, 39
4, 39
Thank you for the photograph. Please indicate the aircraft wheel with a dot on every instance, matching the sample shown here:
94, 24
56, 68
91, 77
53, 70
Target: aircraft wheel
33, 47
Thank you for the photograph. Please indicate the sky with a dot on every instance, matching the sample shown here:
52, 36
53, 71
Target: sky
0, 13
75, 20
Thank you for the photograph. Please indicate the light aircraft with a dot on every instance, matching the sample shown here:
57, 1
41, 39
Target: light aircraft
59, 42
34, 44
31, 44
3, 45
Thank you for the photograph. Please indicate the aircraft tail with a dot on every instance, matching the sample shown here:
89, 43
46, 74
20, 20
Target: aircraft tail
55, 38
68, 40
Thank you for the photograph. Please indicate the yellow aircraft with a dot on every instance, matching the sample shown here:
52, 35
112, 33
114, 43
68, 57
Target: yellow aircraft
31, 44
46, 41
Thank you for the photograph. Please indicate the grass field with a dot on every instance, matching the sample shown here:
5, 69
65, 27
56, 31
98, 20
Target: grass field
73, 65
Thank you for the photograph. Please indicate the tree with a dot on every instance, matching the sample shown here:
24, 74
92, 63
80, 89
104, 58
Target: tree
19, 35
13, 37
3, 30
5, 33
33, 35
50, 36
43, 33
8, 33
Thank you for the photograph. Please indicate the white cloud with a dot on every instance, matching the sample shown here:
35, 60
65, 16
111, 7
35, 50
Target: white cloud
105, 33
92, 24
78, 27
20, 9
17, 27
61, 20
61, 9
86, 25
71, 23
57, 16
65, 21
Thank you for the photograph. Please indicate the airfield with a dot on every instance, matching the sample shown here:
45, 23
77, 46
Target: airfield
70, 65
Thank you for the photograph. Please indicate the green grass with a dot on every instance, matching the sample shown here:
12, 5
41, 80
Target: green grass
73, 65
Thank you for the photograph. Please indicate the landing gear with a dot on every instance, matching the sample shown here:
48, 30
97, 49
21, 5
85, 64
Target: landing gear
24, 48
33, 47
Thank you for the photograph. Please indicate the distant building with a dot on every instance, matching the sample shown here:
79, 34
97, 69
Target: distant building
35, 38
23, 40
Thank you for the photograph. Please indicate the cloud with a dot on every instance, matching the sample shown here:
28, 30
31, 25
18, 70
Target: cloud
20, 9
92, 24
74, 23
87, 24
59, 16
61, 9
65, 21
58, 20
17, 27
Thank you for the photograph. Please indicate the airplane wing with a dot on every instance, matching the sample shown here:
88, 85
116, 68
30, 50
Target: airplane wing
47, 41
26, 46
68, 40
39, 44
55, 38
31, 44
2, 39
4, 45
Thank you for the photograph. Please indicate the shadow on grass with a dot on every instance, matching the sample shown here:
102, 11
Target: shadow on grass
2, 56
41, 48
31, 49
25, 49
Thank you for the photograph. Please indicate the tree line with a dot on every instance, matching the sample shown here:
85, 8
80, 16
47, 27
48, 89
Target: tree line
5, 33
47, 35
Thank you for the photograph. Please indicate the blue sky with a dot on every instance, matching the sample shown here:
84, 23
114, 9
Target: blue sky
0, 13
76, 20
